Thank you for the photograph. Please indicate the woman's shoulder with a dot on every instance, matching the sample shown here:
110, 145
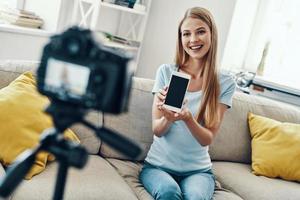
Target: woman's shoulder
226, 80
225, 77
167, 69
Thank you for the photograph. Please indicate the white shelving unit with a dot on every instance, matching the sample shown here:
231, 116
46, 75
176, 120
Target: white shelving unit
130, 25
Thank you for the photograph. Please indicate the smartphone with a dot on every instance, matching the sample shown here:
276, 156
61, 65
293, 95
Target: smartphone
176, 91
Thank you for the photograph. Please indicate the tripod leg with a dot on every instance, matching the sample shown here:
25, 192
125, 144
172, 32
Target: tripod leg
60, 181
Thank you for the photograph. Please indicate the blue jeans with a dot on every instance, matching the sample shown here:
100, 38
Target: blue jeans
162, 185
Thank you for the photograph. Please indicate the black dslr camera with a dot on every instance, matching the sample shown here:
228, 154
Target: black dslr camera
77, 69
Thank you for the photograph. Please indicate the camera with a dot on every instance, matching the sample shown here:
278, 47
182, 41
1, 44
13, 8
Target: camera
77, 73
78, 69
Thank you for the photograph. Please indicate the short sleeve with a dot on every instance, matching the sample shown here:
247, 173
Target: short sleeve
228, 86
160, 79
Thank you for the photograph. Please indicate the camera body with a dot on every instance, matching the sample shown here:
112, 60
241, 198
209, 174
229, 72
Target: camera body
76, 68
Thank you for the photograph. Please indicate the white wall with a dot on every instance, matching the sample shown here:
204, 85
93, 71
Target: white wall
160, 36
58, 15
49, 11
16, 46
159, 40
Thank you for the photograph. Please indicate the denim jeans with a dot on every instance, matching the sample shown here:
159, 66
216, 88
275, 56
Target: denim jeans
163, 185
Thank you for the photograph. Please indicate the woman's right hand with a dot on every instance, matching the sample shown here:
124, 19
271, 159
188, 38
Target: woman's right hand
162, 93
162, 117
168, 114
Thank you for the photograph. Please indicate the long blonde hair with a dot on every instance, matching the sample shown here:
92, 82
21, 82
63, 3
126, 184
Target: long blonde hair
208, 110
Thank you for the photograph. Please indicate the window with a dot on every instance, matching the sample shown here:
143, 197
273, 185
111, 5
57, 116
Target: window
282, 30
272, 41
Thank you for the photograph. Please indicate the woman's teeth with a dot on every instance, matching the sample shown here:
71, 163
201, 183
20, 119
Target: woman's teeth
196, 47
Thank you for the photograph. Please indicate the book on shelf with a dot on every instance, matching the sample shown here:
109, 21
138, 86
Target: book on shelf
113, 41
114, 38
20, 17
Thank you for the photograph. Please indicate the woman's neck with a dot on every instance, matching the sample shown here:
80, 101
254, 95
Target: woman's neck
194, 68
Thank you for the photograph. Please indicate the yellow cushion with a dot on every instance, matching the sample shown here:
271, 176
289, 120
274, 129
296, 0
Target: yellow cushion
22, 120
275, 148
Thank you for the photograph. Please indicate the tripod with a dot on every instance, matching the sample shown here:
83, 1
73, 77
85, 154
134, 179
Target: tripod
66, 152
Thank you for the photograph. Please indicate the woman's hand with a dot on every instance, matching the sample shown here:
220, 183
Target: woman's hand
171, 116
185, 113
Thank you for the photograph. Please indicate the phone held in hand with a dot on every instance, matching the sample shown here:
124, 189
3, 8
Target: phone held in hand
176, 91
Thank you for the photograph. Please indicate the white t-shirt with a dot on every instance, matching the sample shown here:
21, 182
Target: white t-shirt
177, 150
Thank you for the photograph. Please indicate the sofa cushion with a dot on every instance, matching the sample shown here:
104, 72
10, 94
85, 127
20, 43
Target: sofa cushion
233, 142
22, 121
130, 172
97, 180
223, 194
275, 148
238, 178
135, 124
87, 137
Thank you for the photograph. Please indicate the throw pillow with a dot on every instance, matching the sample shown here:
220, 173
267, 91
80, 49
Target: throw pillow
22, 120
275, 148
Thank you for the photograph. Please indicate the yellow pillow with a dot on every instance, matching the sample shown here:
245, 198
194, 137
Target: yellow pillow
22, 120
275, 148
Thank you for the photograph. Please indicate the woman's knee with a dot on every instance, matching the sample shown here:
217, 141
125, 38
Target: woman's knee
168, 191
197, 195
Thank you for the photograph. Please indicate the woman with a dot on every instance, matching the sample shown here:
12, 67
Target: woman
178, 165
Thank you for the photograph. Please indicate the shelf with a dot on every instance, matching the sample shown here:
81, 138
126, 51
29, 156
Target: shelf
24, 30
122, 8
117, 7
120, 46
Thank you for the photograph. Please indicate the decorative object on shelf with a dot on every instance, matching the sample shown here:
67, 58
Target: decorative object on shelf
121, 40
20, 17
126, 3
244, 79
109, 1
261, 66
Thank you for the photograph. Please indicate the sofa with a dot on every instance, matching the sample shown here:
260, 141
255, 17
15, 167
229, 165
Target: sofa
110, 175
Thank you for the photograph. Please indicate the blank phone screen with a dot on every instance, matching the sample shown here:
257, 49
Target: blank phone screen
176, 91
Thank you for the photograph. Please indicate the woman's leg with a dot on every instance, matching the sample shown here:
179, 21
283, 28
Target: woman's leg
199, 186
160, 184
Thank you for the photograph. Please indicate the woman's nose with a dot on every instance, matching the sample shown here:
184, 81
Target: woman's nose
194, 38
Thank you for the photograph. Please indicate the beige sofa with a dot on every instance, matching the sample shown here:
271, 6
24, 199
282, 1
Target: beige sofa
108, 175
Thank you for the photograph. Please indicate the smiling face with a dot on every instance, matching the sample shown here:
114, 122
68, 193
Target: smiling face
195, 37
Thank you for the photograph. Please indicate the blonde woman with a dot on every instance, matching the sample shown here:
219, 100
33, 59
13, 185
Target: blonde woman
178, 165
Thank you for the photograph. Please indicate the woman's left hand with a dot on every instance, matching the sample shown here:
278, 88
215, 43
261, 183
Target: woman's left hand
184, 114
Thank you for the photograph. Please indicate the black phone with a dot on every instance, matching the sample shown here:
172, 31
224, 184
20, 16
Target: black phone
176, 91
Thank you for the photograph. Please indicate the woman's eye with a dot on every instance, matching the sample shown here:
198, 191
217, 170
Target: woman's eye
201, 32
185, 34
